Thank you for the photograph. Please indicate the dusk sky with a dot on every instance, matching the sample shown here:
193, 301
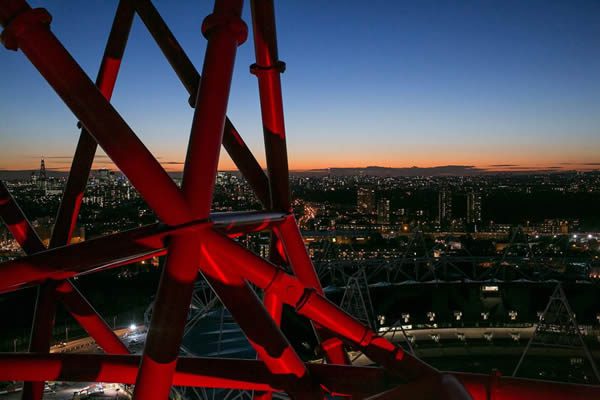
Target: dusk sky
389, 83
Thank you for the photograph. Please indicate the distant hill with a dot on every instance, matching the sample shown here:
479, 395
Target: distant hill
391, 172
443, 170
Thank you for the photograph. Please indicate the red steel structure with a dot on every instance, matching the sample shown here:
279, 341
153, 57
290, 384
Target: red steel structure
193, 239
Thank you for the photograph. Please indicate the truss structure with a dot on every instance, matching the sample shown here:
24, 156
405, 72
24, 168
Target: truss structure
419, 263
356, 300
558, 328
193, 239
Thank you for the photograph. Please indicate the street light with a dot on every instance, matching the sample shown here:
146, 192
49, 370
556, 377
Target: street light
132, 327
458, 315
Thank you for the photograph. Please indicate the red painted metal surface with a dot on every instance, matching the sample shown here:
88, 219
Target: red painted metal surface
190, 78
68, 211
195, 240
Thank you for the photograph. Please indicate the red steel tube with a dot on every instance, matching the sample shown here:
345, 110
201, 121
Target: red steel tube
199, 172
45, 307
17, 223
29, 31
258, 326
70, 204
170, 312
86, 147
274, 308
314, 306
41, 334
253, 375
304, 270
88, 318
119, 249
244, 160
299, 260
225, 31
191, 371
68, 261
272, 304
267, 69
190, 78
69, 207
214, 373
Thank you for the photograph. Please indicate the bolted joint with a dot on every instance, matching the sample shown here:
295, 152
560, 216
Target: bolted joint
232, 24
287, 288
256, 69
32, 19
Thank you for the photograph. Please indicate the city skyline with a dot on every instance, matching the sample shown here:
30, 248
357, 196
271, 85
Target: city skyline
508, 86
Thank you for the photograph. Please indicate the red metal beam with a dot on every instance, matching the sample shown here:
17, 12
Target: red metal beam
119, 249
41, 334
70, 204
253, 375
277, 170
224, 30
303, 268
267, 69
88, 318
171, 308
190, 78
28, 30
17, 223
256, 323
308, 302
45, 308
192, 238
65, 262
190, 371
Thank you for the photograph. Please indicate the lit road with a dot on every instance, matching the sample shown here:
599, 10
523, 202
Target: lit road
65, 390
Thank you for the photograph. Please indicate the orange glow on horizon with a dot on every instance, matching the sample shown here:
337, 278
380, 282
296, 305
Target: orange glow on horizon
329, 162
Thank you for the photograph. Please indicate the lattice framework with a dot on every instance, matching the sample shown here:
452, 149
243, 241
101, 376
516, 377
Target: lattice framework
193, 238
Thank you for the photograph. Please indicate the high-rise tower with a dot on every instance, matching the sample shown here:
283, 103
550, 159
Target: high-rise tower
43, 177
473, 208
365, 200
444, 206
383, 211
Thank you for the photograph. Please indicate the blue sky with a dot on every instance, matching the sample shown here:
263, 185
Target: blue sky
389, 83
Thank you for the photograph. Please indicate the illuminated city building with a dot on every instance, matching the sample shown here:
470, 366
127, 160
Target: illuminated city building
473, 208
444, 206
365, 200
383, 211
